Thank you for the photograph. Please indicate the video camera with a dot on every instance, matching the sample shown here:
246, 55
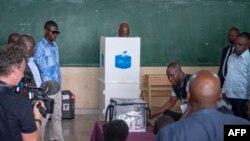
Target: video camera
40, 93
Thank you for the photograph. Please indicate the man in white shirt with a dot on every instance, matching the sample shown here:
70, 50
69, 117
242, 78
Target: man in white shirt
237, 82
28, 44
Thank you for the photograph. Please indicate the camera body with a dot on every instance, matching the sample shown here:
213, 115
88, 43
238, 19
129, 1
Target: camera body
26, 87
35, 94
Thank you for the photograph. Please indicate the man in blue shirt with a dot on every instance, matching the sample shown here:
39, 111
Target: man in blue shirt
237, 82
204, 123
47, 58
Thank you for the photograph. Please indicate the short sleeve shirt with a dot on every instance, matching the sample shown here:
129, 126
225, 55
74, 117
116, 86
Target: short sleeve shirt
16, 115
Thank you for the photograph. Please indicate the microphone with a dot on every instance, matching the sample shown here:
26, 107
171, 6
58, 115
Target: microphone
50, 87
47, 88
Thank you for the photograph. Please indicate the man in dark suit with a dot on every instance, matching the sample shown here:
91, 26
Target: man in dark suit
233, 33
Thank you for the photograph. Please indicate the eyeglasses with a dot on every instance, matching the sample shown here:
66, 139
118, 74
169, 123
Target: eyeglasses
54, 32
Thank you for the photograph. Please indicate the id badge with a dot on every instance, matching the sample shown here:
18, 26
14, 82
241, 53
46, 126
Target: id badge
183, 107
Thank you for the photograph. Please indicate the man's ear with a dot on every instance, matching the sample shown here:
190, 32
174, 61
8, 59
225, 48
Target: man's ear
188, 96
45, 31
220, 95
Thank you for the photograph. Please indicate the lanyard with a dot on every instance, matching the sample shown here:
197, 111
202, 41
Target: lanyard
182, 96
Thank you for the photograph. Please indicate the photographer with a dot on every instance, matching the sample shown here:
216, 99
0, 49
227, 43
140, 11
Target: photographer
18, 122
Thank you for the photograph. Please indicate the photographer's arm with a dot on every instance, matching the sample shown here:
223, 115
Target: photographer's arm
34, 136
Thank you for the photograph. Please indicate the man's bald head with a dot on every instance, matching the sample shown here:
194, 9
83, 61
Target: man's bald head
204, 90
27, 42
124, 30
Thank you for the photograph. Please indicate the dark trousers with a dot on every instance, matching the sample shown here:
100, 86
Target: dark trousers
175, 115
239, 107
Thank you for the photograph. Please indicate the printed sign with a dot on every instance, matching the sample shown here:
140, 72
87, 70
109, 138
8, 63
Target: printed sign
65, 107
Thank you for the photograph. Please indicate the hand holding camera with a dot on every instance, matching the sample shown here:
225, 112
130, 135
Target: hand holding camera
36, 94
39, 110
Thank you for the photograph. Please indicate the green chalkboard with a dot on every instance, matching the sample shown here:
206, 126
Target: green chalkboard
192, 32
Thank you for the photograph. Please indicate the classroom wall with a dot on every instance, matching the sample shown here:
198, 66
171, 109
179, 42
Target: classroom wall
83, 82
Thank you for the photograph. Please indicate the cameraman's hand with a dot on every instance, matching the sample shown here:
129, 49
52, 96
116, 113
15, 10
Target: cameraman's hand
36, 111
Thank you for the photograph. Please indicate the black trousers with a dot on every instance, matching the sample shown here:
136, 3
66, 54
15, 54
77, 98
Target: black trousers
239, 107
175, 115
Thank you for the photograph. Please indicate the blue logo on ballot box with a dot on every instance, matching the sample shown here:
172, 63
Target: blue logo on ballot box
123, 61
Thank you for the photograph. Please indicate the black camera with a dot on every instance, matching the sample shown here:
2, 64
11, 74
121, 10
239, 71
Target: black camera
40, 93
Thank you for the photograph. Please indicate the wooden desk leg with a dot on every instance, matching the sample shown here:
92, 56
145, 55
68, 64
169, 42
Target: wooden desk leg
143, 95
149, 97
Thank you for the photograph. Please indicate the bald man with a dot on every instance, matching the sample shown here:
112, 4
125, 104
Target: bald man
28, 44
124, 30
205, 123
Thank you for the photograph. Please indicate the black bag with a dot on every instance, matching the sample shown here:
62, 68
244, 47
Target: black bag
68, 105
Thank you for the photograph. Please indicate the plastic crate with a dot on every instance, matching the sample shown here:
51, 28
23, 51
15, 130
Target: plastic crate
132, 111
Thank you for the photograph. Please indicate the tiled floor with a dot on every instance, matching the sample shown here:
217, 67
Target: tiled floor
77, 129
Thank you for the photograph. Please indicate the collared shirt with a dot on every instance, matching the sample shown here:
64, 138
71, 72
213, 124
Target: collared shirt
47, 58
237, 82
35, 71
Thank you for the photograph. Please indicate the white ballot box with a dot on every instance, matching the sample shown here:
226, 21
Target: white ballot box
119, 70
120, 59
